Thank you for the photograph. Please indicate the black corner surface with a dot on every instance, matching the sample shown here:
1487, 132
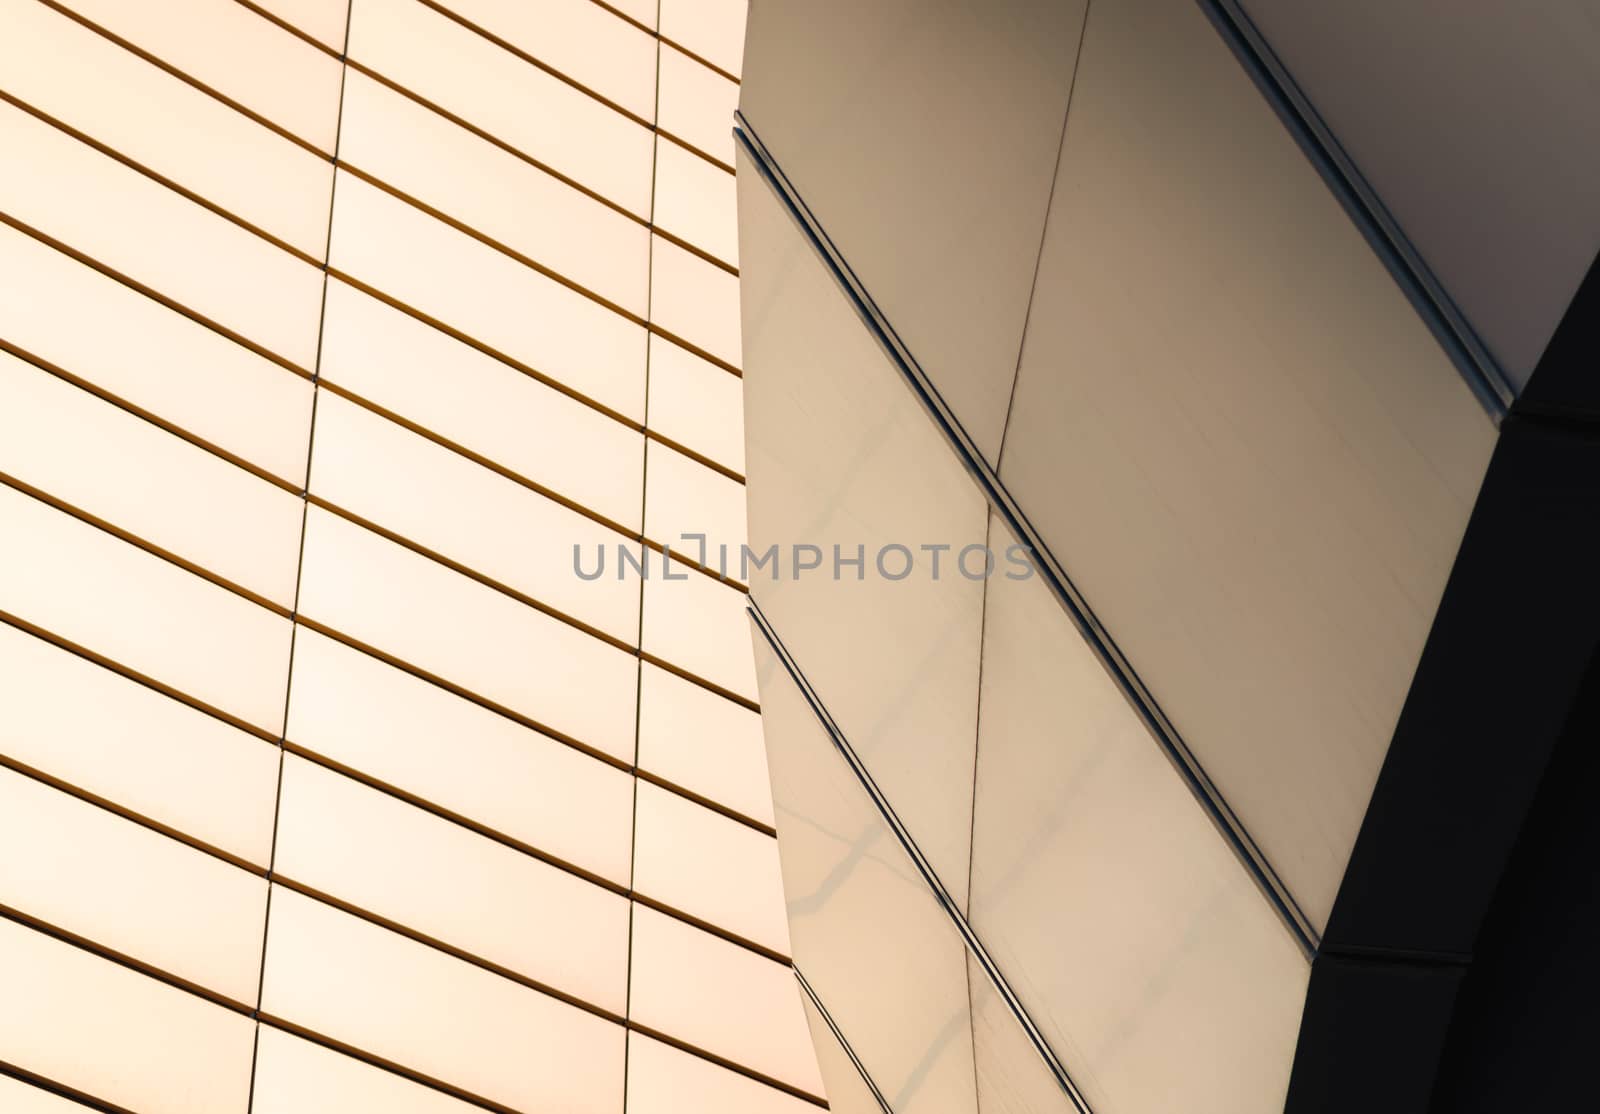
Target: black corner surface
1453, 973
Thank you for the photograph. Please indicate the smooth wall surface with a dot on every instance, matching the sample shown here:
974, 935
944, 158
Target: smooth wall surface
1232, 432
1477, 132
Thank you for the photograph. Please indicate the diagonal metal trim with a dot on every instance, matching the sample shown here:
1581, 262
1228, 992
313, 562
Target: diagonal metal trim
1474, 363
1050, 568
953, 911
844, 1042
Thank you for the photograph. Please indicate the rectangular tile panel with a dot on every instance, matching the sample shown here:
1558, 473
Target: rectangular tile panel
165, 124
423, 740
422, 153
491, 88
144, 230
153, 357
440, 499
142, 611
451, 884
427, 265
231, 49
118, 739
108, 463
709, 866
721, 997
472, 635
482, 404
407, 1002
156, 1047
85, 870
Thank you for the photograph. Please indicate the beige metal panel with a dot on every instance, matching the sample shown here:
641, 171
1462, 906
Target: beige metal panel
842, 454
467, 633
107, 462
24, 1098
581, 40
703, 742
152, 357
117, 739
425, 741
164, 124
683, 497
713, 29
409, 1003
869, 935
142, 611
695, 200
419, 152
85, 870
295, 1076
403, 252
695, 300
227, 47
155, 1047
487, 407
713, 868
665, 1080
848, 1092
1478, 134
697, 623
451, 884
1258, 469
1012, 1076
142, 229
696, 403
696, 104
937, 196
718, 996
440, 499
1084, 829
491, 88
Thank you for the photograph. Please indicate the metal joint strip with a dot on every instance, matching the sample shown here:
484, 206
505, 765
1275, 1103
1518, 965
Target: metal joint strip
1427, 295
919, 860
1050, 568
844, 1042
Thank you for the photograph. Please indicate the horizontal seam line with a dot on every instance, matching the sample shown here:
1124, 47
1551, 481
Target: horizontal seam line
412, 426
263, 734
62, 1090
426, 209
165, 425
129, 537
403, 422
106, 804
539, 64
187, 78
190, 195
298, 32
515, 595
394, 1067
169, 302
376, 785
159, 974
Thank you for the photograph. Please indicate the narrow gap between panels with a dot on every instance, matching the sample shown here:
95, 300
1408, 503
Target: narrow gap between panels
1000, 499
936, 888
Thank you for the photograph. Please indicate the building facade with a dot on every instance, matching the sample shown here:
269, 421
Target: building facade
337, 339
1264, 329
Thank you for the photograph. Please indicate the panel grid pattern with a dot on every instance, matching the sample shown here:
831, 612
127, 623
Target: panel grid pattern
329, 341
